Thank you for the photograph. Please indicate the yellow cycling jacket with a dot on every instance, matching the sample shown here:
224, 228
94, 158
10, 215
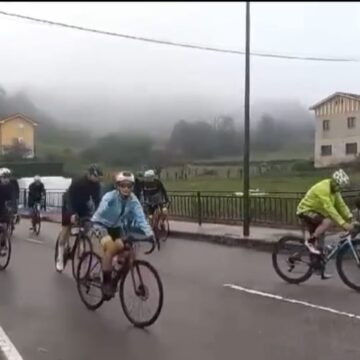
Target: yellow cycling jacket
320, 199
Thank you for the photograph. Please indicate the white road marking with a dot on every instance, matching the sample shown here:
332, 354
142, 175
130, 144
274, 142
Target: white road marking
34, 241
8, 347
292, 301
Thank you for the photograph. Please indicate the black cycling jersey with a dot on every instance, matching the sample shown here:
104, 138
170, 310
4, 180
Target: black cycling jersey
138, 188
36, 191
15, 189
5, 196
154, 191
80, 193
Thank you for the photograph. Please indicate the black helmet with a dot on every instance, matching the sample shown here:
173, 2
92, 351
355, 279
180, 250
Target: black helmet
95, 170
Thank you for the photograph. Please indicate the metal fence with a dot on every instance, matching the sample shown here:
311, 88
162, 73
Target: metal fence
273, 209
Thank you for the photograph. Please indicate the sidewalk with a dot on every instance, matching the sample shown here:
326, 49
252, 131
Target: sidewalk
262, 238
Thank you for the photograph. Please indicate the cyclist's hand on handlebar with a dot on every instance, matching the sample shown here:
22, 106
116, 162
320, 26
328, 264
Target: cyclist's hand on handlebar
348, 227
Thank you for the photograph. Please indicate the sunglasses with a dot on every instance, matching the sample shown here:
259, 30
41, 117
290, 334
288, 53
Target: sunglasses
125, 186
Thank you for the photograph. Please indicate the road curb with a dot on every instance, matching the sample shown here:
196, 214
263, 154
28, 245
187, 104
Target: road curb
226, 240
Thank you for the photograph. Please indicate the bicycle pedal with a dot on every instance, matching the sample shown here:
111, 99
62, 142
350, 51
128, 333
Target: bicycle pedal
291, 268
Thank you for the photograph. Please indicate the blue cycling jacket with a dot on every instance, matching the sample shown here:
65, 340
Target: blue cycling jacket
114, 211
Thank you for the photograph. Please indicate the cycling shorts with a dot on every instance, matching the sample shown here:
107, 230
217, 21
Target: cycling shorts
311, 220
110, 238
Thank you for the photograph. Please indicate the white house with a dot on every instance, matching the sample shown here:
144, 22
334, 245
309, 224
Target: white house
337, 137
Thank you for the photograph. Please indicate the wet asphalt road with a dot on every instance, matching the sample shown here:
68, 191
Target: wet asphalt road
42, 314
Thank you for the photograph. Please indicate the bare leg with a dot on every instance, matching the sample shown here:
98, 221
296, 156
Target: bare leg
322, 228
63, 238
318, 236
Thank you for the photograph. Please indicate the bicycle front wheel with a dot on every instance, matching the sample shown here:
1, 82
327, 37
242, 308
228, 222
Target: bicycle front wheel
347, 266
36, 223
82, 244
89, 280
141, 294
291, 260
163, 229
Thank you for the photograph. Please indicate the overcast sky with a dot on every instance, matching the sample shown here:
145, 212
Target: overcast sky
73, 74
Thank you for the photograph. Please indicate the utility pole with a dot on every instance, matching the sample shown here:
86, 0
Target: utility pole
246, 198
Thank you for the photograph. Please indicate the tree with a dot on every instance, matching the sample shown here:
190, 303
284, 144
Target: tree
268, 134
116, 149
193, 139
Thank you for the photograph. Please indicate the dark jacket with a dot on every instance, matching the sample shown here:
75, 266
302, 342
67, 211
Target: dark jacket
154, 191
138, 188
79, 195
36, 192
15, 189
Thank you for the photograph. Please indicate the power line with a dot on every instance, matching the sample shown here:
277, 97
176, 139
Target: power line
178, 44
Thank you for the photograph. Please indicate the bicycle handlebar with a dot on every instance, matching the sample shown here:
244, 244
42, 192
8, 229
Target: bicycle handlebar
353, 233
137, 239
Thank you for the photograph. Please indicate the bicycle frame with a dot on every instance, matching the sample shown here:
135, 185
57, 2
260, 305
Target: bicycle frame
342, 243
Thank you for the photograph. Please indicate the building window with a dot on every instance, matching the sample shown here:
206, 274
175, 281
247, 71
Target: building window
326, 125
326, 150
351, 122
351, 149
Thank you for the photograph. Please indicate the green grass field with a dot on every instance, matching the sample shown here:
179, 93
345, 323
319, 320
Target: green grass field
268, 184
285, 183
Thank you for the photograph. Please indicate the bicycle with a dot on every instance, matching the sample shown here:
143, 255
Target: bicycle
346, 251
14, 216
82, 243
36, 218
126, 268
159, 222
5, 244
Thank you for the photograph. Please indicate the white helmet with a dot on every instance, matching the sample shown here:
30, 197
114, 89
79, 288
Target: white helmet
124, 176
341, 178
149, 174
37, 178
5, 172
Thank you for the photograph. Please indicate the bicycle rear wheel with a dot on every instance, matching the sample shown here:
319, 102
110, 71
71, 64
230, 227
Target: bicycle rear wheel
82, 244
347, 266
291, 259
141, 284
5, 249
36, 223
89, 279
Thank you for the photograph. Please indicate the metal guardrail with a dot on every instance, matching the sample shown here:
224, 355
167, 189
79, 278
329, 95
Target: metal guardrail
273, 209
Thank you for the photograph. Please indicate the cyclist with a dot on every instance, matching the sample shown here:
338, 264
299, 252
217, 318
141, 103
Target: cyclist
5, 201
154, 192
15, 194
323, 206
77, 204
37, 194
118, 209
138, 186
